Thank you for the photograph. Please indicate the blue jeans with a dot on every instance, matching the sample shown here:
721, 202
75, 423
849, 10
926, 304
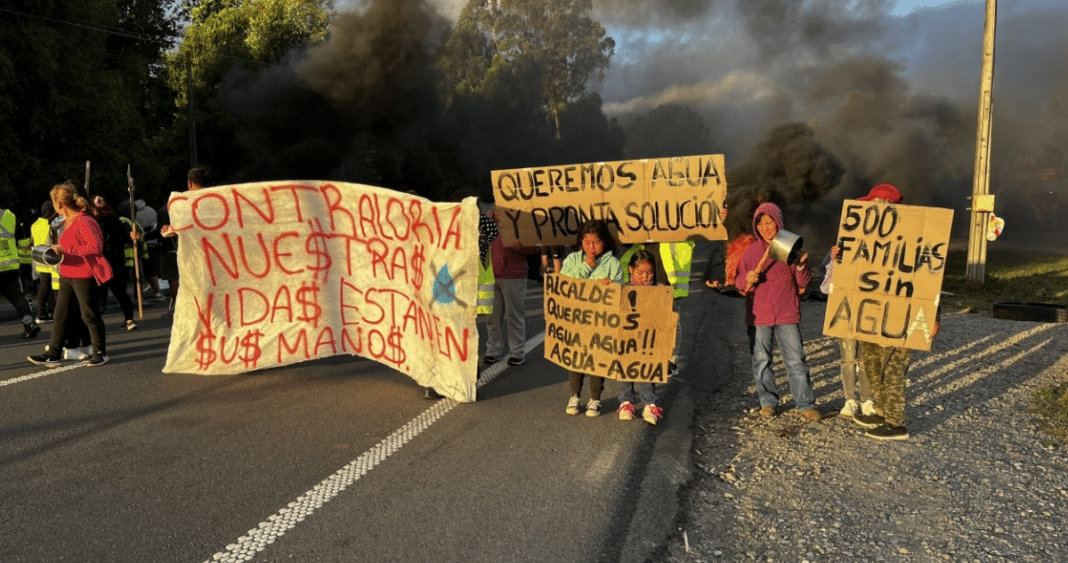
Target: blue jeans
647, 391
788, 338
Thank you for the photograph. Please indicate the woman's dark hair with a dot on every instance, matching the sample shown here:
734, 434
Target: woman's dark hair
642, 255
48, 212
597, 227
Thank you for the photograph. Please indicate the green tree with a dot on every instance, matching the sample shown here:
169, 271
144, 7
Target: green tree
76, 83
223, 36
556, 37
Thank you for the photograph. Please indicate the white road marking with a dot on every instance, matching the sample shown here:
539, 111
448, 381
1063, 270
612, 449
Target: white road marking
257, 539
52, 371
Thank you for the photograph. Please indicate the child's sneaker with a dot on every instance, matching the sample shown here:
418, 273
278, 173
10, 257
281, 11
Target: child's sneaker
130, 324
869, 421
573, 405
888, 432
867, 408
593, 408
626, 411
851, 408
652, 413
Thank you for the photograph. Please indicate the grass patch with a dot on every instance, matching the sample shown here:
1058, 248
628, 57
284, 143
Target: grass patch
1011, 275
1027, 277
1051, 405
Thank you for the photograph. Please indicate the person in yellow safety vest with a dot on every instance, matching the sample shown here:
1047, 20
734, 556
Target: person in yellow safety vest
485, 286
26, 256
487, 232
129, 250
39, 232
676, 258
10, 285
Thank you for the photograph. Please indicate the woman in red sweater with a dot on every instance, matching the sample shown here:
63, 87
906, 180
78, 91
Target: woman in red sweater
82, 271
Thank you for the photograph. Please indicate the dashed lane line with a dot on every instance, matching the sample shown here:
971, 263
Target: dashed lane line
257, 539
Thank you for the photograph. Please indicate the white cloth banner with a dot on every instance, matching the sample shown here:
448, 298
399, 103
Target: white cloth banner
275, 273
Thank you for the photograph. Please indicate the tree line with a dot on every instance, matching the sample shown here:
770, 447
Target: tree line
384, 92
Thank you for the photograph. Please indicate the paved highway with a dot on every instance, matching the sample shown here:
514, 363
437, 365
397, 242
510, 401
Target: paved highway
333, 460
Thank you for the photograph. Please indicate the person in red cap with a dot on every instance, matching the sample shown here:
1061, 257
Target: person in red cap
855, 383
885, 367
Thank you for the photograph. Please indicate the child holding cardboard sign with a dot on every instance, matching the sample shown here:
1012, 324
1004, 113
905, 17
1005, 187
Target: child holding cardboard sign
642, 269
886, 366
773, 313
593, 261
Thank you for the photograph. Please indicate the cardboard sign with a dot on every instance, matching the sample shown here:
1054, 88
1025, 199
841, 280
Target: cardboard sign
624, 332
664, 199
278, 273
886, 282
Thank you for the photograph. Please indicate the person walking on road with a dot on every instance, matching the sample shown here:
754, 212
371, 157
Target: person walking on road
83, 271
10, 282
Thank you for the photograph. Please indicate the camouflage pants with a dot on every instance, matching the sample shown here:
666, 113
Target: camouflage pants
886, 368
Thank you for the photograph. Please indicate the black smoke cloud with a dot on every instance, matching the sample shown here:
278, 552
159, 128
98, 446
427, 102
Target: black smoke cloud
362, 106
365, 106
890, 99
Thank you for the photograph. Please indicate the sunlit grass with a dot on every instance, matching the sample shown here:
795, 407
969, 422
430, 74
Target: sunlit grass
1051, 405
1027, 277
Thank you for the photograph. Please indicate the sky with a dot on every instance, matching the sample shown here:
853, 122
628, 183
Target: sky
889, 88
904, 7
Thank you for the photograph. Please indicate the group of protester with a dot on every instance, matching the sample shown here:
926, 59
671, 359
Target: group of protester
95, 244
772, 291
503, 284
94, 247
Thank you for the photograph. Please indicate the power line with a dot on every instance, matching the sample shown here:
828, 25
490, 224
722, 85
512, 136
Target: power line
115, 31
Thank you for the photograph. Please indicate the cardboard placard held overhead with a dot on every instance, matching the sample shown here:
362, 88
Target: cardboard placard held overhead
886, 282
659, 199
625, 332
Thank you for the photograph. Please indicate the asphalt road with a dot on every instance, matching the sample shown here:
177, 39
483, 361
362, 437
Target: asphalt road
335, 460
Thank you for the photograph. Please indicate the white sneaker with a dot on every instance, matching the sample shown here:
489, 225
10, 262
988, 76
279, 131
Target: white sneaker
867, 408
76, 354
593, 408
851, 408
573, 405
652, 413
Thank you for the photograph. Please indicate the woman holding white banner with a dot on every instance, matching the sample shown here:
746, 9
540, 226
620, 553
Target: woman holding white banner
595, 260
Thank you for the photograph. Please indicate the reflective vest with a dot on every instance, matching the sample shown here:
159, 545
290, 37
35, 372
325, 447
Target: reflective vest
485, 286
676, 258
9, 252
25, 251
128, 250
39, 235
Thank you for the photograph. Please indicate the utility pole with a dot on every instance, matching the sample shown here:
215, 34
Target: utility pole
982, 204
